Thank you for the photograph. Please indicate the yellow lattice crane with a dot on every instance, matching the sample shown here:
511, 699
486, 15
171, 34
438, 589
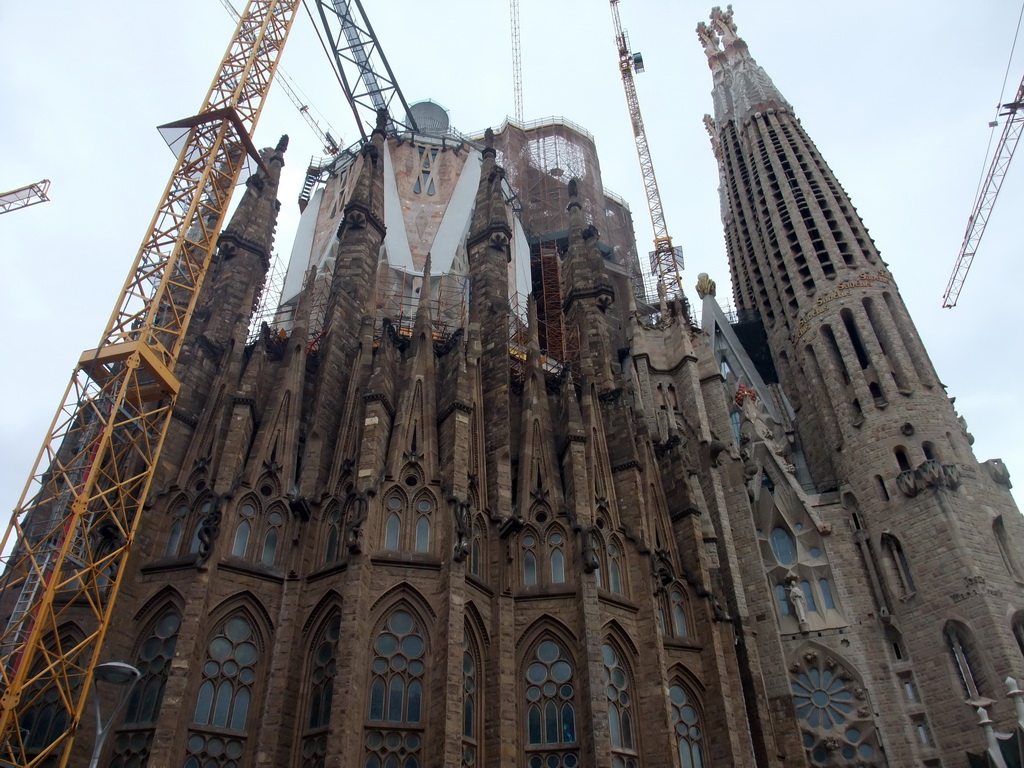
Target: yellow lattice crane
666, 260
70, 534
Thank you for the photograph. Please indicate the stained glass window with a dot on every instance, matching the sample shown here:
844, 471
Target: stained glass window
321, 694
394, 737
620, 718
222, 704
550, 709
687, 728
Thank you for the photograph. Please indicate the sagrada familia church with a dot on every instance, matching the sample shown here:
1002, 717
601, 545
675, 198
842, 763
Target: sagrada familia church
473, 498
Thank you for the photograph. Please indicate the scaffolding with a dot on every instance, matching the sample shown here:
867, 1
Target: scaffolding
549, 309
398, 297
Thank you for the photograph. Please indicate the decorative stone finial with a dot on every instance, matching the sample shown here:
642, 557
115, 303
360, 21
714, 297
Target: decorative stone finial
573, 189
382, 121
709, 39
724, 24
282, 144
705, 285
489, 138
1014, 692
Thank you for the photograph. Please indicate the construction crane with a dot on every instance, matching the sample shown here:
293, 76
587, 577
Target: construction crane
517, 60
330, 144
23, 197
666, 260
71, 532
361, 66
987, 195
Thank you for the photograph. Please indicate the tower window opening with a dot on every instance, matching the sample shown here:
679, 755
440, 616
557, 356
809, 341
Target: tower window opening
961, 652
901, 458
883, 493
851, 330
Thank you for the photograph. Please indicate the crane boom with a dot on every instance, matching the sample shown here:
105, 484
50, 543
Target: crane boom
70, 534
330, 144
365, 74
987, 196
666, 260
23, 197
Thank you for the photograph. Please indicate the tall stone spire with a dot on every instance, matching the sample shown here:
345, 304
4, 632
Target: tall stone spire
741, 86
874, 421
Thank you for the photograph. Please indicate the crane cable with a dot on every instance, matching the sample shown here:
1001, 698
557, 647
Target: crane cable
999, 105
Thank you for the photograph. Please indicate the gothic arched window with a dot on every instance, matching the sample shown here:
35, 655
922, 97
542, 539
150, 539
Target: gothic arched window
393, 522
179, 518
471, 708
1018, 631
620, 718
673, 618
529, 544
963, 654
677, 612
133, 742
615, 579
240, 545
271, 537
424, 508
476, 548
394, 735
321, 694
222, 704
898, 566
550, 708
333, 538
556, 555
687, 728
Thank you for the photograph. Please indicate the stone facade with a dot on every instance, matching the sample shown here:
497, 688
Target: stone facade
375, 545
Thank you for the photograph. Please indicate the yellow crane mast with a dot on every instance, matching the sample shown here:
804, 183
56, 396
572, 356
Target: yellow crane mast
70, 534
666, 260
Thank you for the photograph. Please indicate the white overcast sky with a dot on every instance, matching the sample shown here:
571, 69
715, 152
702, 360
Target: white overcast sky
897, 97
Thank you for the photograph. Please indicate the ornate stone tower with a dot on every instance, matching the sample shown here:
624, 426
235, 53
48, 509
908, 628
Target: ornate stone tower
926, 542
396, 531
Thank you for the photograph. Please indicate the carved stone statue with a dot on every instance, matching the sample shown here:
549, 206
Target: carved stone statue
354, 540
460, 509
798, 600
590, 545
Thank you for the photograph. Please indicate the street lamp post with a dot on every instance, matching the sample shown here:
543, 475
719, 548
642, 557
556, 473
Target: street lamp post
125, 676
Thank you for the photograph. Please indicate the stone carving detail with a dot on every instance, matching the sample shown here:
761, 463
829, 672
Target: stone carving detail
708, 39
722, 20
836, 730
705, 285
460, 509
906, 481
798, 600
209, 529
354, 539
591, 543
998, 472
930, 474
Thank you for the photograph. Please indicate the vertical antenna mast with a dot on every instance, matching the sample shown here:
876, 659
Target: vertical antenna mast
517, 60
